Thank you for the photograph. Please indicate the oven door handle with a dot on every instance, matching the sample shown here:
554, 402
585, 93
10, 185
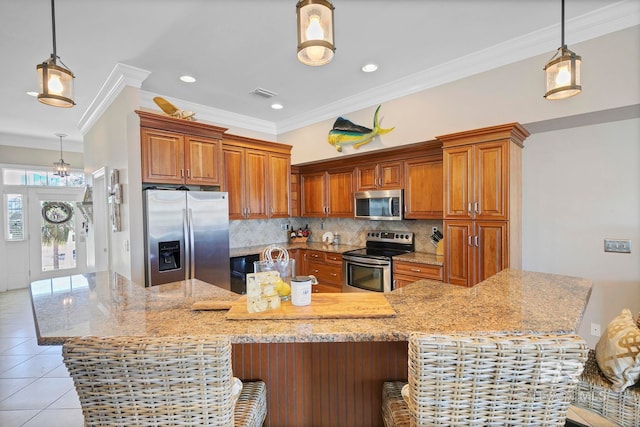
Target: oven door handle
366, 262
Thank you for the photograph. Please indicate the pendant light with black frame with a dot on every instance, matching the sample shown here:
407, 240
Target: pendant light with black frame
55, 80
60, 168
563, 71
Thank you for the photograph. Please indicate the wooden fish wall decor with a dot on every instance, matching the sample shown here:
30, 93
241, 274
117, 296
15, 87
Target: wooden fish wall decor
345, 132
172, 110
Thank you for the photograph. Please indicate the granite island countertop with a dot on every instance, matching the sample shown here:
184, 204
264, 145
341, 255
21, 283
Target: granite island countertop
107, 304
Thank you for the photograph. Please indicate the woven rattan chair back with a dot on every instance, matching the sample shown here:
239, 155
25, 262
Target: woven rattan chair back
498, 380
143, 381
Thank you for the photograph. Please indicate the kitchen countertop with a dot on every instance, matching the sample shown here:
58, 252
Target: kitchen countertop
106, 304
319, 246
421, 258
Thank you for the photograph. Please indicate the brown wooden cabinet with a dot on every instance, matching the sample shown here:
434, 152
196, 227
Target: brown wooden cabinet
477, 181
245, 179
379, 176
327, 267
257, 180
176, 158
327, 194
405, 272
482, 202
423, 188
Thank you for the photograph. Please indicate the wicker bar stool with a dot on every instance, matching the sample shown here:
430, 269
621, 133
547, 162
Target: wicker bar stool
168, 381
493, 380
595, 393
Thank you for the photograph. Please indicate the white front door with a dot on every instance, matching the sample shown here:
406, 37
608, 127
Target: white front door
57, 237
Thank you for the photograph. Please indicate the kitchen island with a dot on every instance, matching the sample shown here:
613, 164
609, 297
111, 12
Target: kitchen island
318, 372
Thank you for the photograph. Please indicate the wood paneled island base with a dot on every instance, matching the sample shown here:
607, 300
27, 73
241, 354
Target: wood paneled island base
319, 372
323, 384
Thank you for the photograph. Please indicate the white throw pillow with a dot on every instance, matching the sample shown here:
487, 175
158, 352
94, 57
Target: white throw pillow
618, 351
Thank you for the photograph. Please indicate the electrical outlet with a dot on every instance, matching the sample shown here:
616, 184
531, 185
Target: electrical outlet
617, 245
284, 227
434, 229
595, 329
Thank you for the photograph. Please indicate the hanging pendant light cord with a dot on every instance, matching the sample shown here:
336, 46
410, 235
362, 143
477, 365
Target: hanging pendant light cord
53, 28
561, 25
60, 147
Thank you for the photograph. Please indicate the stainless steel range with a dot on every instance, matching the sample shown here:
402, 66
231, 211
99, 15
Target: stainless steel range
370, 269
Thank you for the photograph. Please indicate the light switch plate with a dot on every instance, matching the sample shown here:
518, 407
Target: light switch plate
617, 245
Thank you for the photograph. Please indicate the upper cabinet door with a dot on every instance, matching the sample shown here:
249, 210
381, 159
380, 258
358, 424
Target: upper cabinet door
162, 157
279, 186
314, 191
491, 181
458, 182
256, 184
390, 175
423, 188
202, 160
379, 176
233, 161
340, 197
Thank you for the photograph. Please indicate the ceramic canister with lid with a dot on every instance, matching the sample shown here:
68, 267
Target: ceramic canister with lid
301, 290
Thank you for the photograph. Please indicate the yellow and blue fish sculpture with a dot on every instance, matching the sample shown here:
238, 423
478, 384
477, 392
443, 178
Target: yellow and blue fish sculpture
345, 132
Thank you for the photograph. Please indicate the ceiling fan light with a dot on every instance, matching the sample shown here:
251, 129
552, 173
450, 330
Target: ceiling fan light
563, 75
315, 32
55, 84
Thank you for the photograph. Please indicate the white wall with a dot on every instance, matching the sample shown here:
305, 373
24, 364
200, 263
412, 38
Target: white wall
114, 141
581, 186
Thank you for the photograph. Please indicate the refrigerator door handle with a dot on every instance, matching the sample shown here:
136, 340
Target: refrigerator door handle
187, 253
192, 252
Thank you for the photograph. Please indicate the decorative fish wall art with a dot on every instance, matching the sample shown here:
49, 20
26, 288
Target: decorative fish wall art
345, 132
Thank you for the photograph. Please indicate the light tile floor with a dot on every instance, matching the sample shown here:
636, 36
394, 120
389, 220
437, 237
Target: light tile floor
35, 387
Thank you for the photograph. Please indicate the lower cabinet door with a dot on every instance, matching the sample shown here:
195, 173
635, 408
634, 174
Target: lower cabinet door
458, 253
492, 249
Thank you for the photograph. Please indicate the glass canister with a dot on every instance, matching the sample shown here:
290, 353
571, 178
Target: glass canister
286, 268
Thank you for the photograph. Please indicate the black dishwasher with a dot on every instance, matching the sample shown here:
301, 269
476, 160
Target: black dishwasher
240, 267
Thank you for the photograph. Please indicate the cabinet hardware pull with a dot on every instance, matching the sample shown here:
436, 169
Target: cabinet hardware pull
476, 207
475, 241
469, 208
182, 173
188, 173
469, 241
334, 274
416, 270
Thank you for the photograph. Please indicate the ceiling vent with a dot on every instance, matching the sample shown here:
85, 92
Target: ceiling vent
263, 93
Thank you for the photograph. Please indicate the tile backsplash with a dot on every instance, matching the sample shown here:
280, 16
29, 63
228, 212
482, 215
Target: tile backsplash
352, 232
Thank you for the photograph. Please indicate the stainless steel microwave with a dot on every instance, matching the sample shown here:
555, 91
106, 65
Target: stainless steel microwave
379, 205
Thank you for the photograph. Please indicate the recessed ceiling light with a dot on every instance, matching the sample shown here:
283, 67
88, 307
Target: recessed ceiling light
188, 79
31, 93
277, 106
369, 68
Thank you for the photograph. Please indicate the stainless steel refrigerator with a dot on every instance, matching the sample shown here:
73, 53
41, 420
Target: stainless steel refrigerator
186, 236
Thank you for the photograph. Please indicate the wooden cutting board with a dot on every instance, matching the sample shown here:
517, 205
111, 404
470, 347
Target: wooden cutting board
323, 306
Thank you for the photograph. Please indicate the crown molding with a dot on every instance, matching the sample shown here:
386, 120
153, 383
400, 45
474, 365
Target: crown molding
121, 76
